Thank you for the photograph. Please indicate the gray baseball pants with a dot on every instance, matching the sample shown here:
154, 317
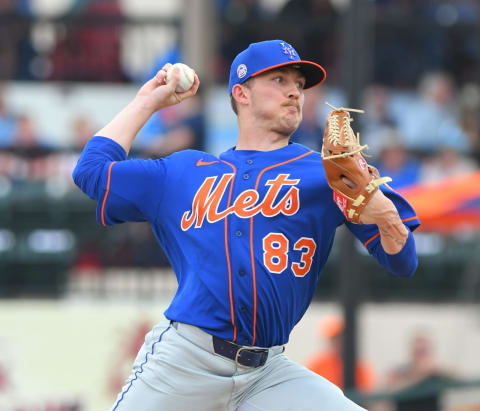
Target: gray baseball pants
177, 369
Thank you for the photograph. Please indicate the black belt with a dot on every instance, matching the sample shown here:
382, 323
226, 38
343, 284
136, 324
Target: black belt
248, 357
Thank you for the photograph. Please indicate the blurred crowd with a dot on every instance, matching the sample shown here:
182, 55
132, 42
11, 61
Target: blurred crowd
422, 107
103, 40
411, 385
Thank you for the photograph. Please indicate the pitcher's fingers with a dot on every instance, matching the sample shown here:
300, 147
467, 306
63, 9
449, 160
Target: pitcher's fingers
166, 66
193, 90
174, 79
161, 76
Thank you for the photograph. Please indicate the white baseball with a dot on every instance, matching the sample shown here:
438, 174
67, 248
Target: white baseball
187, 76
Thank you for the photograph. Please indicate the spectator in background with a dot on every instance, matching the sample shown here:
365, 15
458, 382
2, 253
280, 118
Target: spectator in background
420, 366
7, 122
395, 161
329, 363
7, 128
25, 136
28, 156
469, 103
376, 119
446, 162
427, 122
82, 131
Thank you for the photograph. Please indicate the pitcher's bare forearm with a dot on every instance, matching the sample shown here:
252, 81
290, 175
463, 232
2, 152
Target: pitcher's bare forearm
382, 212
393, 233
396, 250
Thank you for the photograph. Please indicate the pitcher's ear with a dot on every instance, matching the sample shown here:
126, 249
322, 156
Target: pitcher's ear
240, 94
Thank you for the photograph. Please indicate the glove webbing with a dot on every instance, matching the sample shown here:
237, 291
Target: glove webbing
351, 139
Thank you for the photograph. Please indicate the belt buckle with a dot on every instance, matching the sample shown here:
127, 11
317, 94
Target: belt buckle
238, 355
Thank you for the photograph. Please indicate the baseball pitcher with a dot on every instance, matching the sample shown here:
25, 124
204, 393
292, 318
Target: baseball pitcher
247, 234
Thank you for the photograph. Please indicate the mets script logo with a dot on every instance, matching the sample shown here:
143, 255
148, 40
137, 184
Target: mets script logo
247, 204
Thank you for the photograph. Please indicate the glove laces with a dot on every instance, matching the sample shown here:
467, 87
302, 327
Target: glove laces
335, 133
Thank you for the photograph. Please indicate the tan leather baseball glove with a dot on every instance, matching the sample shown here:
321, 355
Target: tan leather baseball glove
352, 180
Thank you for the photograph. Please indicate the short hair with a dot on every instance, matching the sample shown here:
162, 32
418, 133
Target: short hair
233, 102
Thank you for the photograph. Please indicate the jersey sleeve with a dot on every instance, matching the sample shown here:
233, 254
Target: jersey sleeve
405, 262
125, 190
131, 190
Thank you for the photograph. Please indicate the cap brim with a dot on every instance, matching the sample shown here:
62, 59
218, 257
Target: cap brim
314, 73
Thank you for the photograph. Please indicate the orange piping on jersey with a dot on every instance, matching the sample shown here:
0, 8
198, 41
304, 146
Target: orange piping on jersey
373, 237
106, 192
232, 314
251, 242
376, 235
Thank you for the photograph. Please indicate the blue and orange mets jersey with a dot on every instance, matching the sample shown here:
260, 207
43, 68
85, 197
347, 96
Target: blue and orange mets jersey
247, 233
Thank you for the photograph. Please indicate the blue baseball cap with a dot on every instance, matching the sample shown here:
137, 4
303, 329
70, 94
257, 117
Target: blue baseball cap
268, 55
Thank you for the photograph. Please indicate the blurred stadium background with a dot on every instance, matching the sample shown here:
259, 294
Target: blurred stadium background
76, 299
